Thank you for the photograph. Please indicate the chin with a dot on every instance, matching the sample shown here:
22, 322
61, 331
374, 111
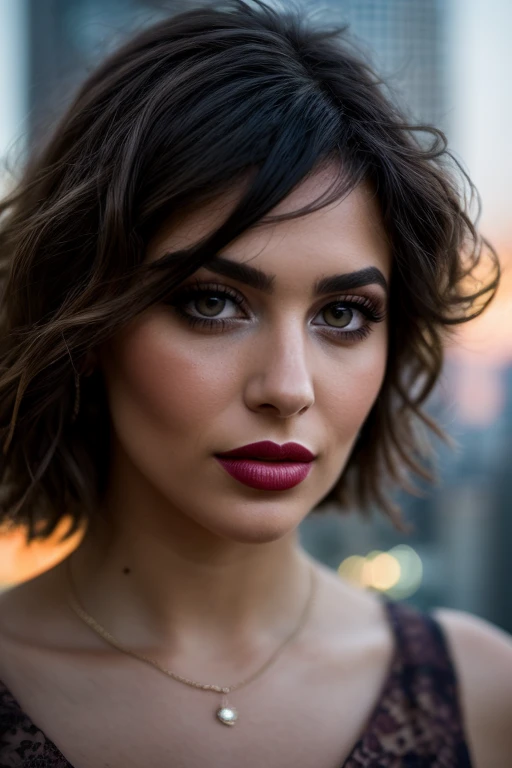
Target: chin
260, 525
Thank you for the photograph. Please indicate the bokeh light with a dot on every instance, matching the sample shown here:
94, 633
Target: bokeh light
398, 573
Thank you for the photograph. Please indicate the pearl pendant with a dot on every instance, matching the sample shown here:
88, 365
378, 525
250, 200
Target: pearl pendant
227, 715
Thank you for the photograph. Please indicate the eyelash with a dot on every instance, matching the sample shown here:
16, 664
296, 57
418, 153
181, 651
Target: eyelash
371, 309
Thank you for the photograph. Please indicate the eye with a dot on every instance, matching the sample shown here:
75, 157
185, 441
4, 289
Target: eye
211, 306
350, 319
338, 315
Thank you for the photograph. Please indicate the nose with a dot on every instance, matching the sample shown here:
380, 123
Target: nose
281, 382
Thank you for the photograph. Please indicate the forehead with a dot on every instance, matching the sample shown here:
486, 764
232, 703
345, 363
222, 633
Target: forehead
347, 234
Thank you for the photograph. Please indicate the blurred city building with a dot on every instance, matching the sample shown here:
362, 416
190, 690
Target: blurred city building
447, 61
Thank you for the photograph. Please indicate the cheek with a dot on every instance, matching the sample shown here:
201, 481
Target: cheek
157, 379
351, 388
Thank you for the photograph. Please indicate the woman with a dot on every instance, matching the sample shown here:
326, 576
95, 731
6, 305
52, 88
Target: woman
228, 278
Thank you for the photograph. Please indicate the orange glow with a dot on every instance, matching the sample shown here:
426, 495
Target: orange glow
20, 562
487, 339
480, 351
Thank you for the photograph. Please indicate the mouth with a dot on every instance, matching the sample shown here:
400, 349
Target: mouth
267, 466
266, 450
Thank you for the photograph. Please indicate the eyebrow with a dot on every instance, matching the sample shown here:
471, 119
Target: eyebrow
244, 273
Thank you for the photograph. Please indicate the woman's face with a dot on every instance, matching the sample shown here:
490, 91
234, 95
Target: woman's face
291, 347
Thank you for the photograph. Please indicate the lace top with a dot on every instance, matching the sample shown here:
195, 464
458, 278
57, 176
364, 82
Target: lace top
415, 723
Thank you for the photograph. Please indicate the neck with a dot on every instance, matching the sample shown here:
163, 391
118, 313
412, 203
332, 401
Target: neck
179, 590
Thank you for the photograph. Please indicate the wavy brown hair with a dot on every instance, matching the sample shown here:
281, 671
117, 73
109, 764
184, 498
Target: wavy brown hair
214, 95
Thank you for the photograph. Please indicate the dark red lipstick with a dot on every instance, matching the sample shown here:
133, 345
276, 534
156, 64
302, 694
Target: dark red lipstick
268, 466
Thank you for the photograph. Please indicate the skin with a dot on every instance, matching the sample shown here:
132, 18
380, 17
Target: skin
206, 575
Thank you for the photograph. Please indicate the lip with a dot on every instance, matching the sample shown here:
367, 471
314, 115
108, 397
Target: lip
270, 451
267, 466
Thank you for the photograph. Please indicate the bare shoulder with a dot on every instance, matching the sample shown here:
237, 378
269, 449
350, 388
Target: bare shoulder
482, 654
353, 621
31, 614
15, 604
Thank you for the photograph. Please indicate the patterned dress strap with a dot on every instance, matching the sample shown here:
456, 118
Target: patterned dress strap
21, 742
418, 720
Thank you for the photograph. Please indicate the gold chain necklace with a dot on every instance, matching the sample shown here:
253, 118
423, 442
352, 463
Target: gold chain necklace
226, 714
